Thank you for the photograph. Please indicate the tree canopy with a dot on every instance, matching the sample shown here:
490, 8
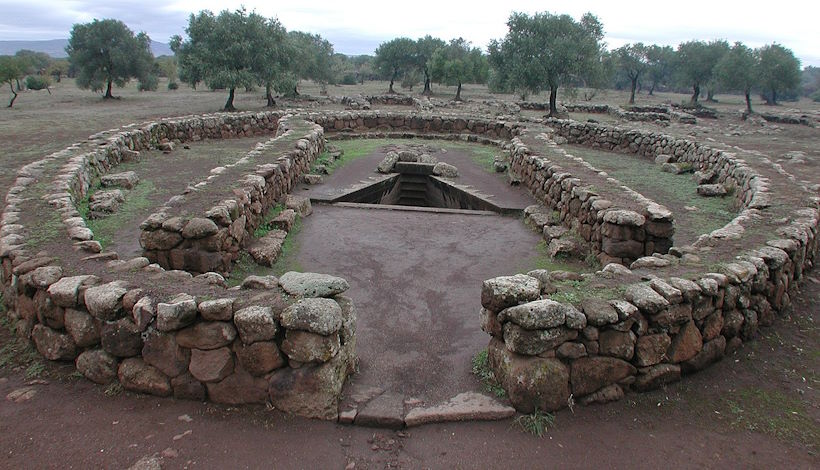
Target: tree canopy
395, 57
458, 63
737, 70
660, 61
695, 63
106, 52
779, 71
312, 57
545, 51
233, 49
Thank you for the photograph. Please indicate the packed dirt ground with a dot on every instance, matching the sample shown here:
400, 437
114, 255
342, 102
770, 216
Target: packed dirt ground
756, 409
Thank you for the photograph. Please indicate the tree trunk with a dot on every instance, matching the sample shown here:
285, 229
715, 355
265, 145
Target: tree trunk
269, 96
710, 96
108, 94
427, 91
695, 95
19, 86
392, 79
458, 92
553, 100
774, 97
13, 95
229, 103
632, 94
652, 88
748, 102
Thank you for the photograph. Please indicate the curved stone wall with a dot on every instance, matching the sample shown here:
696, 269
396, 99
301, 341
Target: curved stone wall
548, 355
167, 332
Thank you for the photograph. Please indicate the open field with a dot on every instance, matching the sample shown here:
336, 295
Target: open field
758, 408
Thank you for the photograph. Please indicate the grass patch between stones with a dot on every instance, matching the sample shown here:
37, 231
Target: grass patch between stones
673, 191
536, 423
481, 369
136, 200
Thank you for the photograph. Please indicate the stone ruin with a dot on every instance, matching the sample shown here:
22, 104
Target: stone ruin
165, 324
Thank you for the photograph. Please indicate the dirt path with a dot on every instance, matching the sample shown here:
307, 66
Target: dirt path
71, 423
416, 281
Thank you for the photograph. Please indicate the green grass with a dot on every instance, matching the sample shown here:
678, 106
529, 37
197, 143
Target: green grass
353, 149
483, 155
245, 266
48, 229
136, 200
575, 292
114, 389
19, 353
542, 260
644, 176
264, 228
481, 369
773, 413
536, 423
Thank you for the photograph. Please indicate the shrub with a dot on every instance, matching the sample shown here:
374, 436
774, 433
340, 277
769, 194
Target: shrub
37, 82
149, 83
349, 79
173, 85
816, 96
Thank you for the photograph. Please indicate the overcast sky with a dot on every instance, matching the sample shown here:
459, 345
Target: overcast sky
358, 27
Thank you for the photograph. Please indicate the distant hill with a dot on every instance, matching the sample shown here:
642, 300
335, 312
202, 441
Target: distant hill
56, 47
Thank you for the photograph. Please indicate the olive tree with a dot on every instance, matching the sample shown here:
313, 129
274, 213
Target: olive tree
695, 64
778, 71
660, 61
632, 59
228, 50
10, 71
425, 48
546, 51
458, 63
394, 58
738, 70
106, 53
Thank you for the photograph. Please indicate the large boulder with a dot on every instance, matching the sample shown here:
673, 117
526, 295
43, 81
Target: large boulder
646, 299
259, 358
303, 346
531, 382
97, 366
311, 391
507, 291
206, 335
255, 323
126, 179
162, 351
312, 284
82, 327
211, 366
65, 292
266, 250
535, 315
52, 345
121, 338
137, 376
534, 342
178, 313
320, 316
199, 227
238, 388
590, 374
104, 302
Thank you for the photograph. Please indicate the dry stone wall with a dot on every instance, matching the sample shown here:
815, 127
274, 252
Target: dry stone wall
615, 233
291, 340
548, 355
212, 241
287, 341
